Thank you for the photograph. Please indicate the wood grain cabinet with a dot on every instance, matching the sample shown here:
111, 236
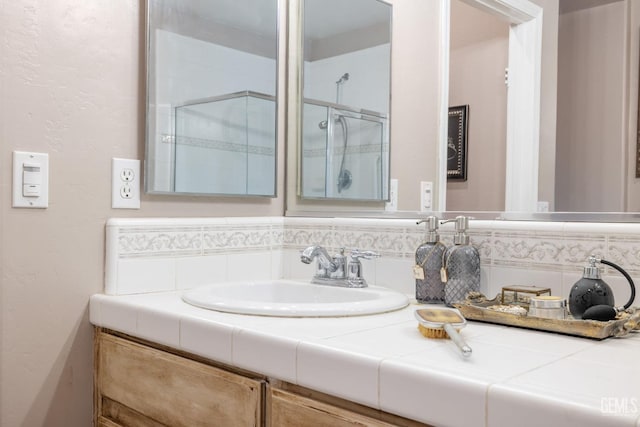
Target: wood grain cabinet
293, 406
141, 384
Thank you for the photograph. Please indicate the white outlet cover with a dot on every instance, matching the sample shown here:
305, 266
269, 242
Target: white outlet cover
125, 172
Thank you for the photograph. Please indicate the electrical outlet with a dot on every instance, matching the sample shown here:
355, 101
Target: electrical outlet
127, 174
125, 183
126, 192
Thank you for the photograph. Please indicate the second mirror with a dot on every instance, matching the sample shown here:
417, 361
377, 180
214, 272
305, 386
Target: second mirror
346, 94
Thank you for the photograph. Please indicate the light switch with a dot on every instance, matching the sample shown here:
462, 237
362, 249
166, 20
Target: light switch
30, 180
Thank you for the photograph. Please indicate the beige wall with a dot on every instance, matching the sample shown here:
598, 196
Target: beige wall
71, 85
485, 189
415, 95
479, 56
633, 73
590, 169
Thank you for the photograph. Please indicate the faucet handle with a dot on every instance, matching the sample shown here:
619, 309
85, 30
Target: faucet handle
357, 254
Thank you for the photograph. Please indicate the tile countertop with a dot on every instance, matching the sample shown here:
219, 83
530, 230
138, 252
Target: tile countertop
514, 377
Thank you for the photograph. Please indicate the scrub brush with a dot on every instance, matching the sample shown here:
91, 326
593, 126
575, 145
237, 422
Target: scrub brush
443, 323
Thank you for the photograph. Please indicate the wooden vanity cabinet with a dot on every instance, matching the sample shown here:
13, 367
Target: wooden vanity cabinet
289, 405
137, 385
143, 384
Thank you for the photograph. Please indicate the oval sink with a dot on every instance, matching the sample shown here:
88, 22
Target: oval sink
288, 298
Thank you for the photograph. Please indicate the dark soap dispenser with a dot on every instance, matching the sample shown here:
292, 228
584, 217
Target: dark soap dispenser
429, 286
591, 298
589, 290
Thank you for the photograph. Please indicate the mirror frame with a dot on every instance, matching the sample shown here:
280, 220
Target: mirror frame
295, 205
279, 52
504, 8
345, 108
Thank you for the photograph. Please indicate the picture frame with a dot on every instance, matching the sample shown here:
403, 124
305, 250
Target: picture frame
638, 141
457, 143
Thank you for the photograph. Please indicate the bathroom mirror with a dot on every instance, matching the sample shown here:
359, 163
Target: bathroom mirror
346, 96
211, 97
585, 96
419, 16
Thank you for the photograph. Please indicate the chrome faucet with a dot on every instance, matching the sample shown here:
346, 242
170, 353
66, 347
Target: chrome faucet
331, 270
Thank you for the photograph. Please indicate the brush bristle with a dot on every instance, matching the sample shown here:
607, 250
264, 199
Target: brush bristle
432, 332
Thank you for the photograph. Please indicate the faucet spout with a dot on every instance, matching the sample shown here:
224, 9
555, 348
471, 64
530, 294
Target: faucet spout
321, 253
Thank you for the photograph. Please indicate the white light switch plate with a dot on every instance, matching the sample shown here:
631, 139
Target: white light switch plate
125, 183
426, 196
23, 165
392, 204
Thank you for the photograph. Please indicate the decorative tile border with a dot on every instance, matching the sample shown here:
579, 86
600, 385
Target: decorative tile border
625, 251
521, 245
236, 238
159, 241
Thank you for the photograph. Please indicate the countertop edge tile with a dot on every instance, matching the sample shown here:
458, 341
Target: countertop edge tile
268, 354
431, 396
343, 373
206, 338
159, 326
507, 403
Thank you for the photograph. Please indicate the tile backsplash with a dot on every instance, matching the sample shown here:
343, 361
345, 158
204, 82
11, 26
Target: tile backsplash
161, 254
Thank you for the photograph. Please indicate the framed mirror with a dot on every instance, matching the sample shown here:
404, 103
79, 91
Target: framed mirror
344, 151
211, 97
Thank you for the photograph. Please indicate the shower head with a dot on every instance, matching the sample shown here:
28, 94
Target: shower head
343, 79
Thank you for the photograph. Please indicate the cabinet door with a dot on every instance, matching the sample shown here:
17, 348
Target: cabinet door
292, 410
134, 380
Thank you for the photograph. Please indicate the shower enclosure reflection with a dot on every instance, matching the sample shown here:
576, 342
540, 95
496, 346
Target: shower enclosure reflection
345, 132
211, 86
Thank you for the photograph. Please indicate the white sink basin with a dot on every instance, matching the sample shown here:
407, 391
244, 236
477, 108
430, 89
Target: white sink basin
287, 298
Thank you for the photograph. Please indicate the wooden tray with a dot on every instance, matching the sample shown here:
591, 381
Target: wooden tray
476, 309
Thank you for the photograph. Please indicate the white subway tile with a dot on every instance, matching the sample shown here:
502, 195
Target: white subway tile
140, 275
192, 272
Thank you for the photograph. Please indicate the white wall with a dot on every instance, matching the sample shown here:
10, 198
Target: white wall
368, 84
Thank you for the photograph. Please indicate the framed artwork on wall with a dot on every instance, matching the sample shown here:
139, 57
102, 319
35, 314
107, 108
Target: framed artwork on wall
457, 143
638, 141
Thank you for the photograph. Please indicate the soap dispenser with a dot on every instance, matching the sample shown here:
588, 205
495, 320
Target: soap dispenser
460, 264
429, 286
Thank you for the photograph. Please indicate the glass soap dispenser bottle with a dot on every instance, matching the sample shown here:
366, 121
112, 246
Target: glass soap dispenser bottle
460, 265
429, 286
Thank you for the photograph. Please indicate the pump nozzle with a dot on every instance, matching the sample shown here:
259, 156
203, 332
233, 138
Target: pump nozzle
461, 224
432, 228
